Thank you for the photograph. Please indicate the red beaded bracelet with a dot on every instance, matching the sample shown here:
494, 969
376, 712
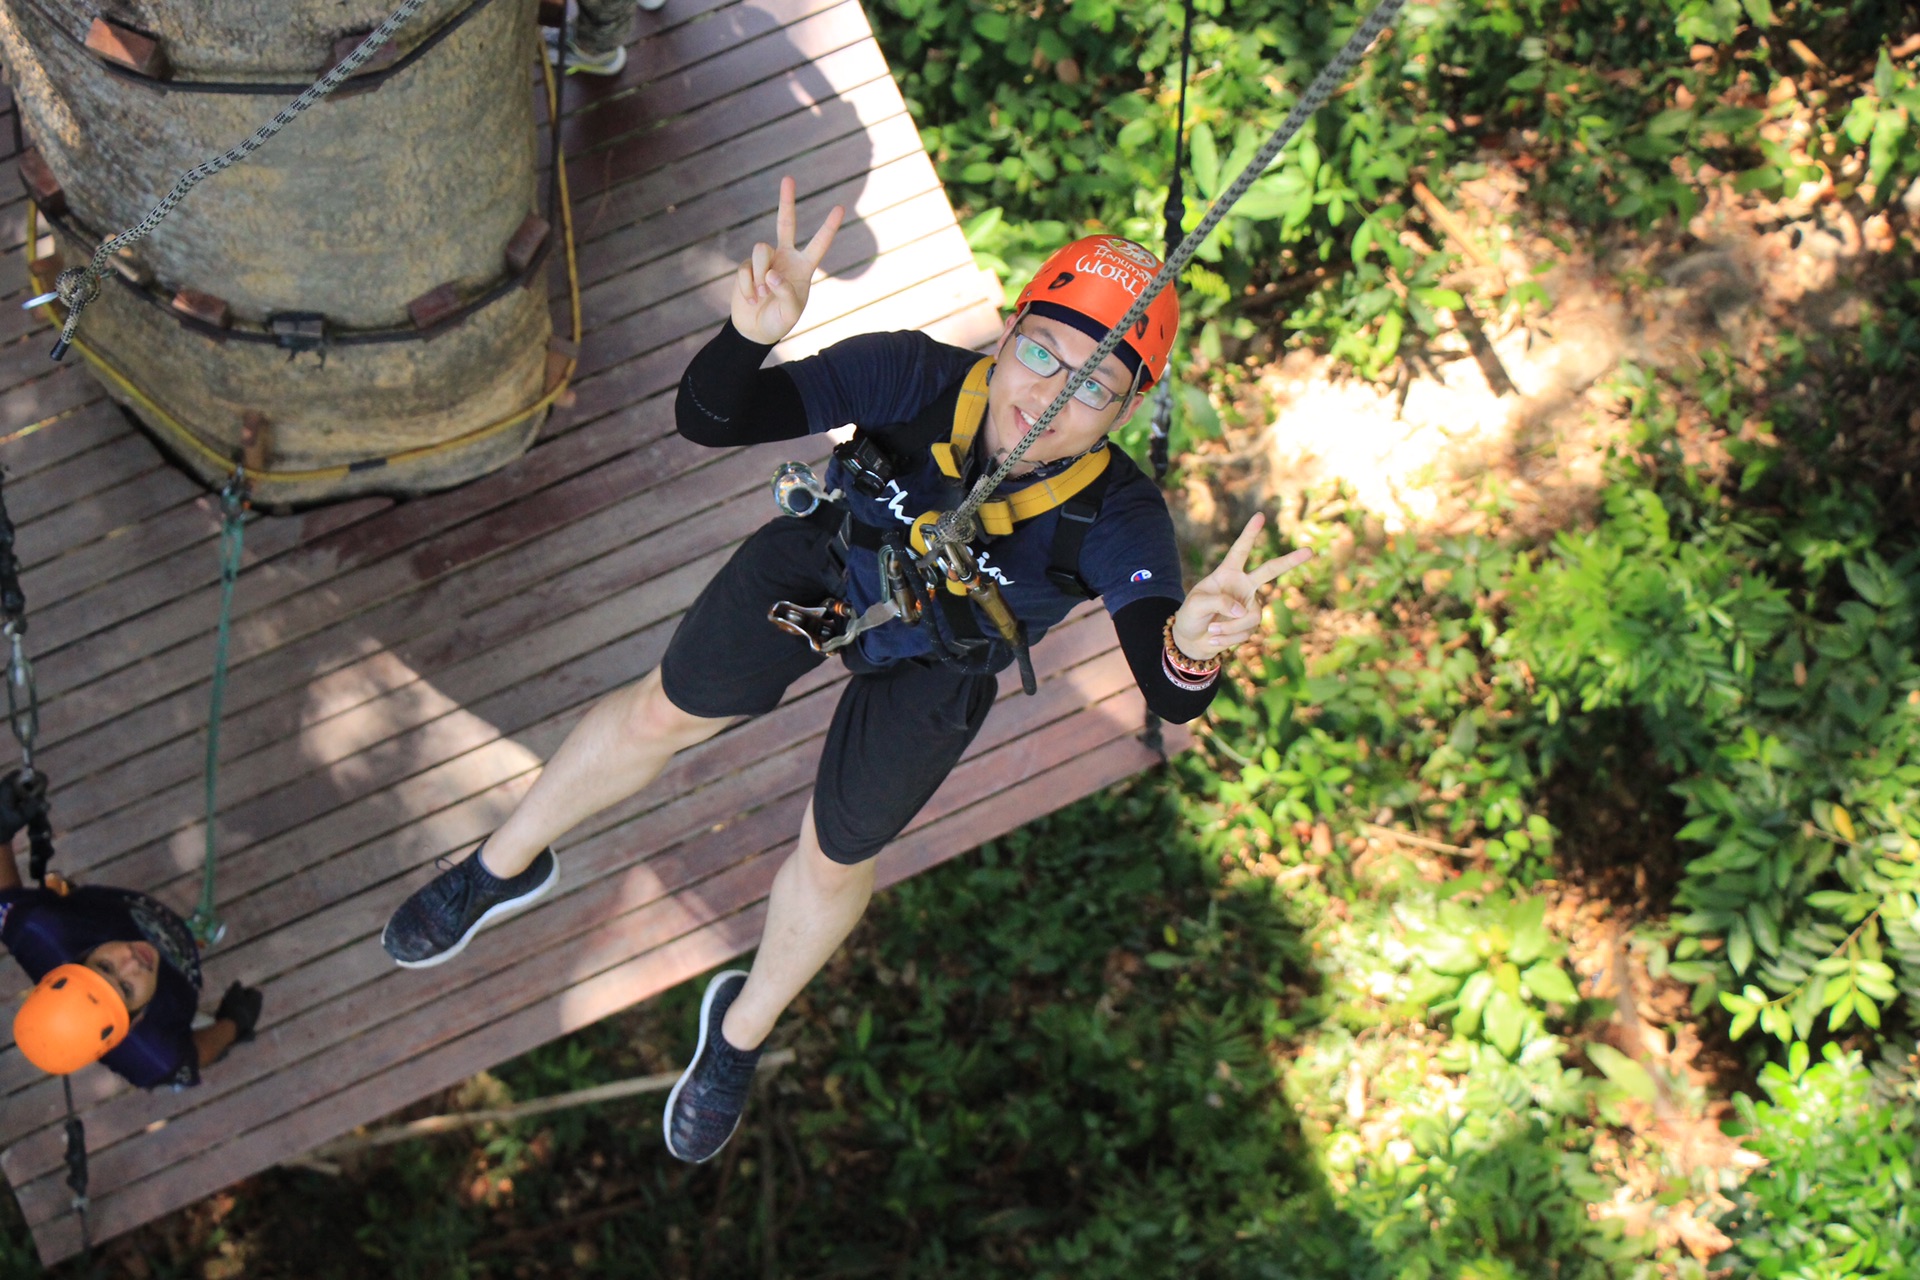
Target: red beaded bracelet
1192, 674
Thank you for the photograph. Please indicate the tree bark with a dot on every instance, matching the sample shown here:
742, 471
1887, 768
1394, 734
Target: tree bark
359, 206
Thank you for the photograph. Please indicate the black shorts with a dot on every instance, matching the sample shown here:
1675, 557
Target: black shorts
897, 732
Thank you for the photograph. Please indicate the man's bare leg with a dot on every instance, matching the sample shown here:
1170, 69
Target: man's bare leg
814, 905
619, 746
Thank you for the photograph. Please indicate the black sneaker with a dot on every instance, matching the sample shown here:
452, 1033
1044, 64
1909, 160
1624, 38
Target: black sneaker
704, 1108
435, 924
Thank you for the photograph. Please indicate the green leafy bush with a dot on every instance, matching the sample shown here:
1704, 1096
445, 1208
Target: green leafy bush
1837, 1200
1493, 967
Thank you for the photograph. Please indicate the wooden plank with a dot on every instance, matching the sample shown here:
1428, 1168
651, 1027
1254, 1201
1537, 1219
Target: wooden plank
672, 252
350, 898
26, 454
299, 686
705, 946
110, 508
664, 45
739, 111
170, 620
370, 896
604, 946
59, 628
785, 52
43, 397
849, 287
863, 126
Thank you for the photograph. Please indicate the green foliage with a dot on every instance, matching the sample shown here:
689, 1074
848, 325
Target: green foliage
1492, 967
1837, 1200
1058, 118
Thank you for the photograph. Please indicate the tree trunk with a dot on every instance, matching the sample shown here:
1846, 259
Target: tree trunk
358, 207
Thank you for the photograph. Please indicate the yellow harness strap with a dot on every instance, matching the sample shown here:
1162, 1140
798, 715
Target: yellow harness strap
952, 452
999, 516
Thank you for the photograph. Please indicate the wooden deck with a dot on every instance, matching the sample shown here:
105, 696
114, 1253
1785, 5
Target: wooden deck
400, 670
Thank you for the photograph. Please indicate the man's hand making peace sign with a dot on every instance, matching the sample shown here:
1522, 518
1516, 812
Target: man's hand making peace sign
1222, 613
770, 290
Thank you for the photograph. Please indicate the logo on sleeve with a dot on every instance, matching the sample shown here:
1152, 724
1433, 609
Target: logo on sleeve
1141, 575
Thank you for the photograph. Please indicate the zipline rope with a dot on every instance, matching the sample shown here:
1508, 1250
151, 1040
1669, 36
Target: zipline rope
79, 286
1173, 216
959, 525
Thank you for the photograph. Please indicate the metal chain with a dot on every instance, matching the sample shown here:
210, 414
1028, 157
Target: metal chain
79, 286
76, 1162
23, 700
205, 923
959, 524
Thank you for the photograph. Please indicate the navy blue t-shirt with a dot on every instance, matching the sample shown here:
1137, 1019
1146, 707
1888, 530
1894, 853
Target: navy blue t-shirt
44, 930
881, 382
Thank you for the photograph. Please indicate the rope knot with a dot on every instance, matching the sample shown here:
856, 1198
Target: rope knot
77, 287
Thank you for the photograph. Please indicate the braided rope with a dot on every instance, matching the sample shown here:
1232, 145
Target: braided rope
958, 525
79, 286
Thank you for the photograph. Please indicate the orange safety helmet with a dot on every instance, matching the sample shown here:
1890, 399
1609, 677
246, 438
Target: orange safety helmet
1100, 277
73, 1017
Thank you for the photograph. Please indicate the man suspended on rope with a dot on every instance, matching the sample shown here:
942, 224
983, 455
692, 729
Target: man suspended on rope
117, 977
1079, 519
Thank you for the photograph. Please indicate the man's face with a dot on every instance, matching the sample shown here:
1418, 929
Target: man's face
1018, 394
132, 967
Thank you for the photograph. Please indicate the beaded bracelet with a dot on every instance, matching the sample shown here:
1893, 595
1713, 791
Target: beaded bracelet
1183, 672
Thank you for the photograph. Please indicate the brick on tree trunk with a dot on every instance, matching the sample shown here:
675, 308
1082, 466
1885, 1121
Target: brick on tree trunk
41, 184
526, 242
434, 306
203, 307
140, 54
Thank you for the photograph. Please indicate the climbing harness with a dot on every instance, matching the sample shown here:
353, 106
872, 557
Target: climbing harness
958, 527
913, 585
187, 440
205, 922
76, 287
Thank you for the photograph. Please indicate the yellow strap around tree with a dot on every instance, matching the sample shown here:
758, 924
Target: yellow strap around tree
951, 453
1000, 515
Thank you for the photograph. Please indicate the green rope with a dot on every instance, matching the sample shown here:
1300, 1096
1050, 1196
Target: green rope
205, 924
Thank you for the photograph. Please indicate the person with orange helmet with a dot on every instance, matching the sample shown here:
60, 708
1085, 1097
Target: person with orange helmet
844, 573
116, 979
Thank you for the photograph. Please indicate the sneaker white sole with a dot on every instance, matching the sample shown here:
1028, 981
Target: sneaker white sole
666, 1117
497, 911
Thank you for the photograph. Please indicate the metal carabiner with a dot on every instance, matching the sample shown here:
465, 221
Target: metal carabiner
23, 700
798, 492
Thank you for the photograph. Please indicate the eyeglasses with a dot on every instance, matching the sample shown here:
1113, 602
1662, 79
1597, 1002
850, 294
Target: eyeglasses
1046, 364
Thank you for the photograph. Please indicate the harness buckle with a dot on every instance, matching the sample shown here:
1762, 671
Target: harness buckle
829, 627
